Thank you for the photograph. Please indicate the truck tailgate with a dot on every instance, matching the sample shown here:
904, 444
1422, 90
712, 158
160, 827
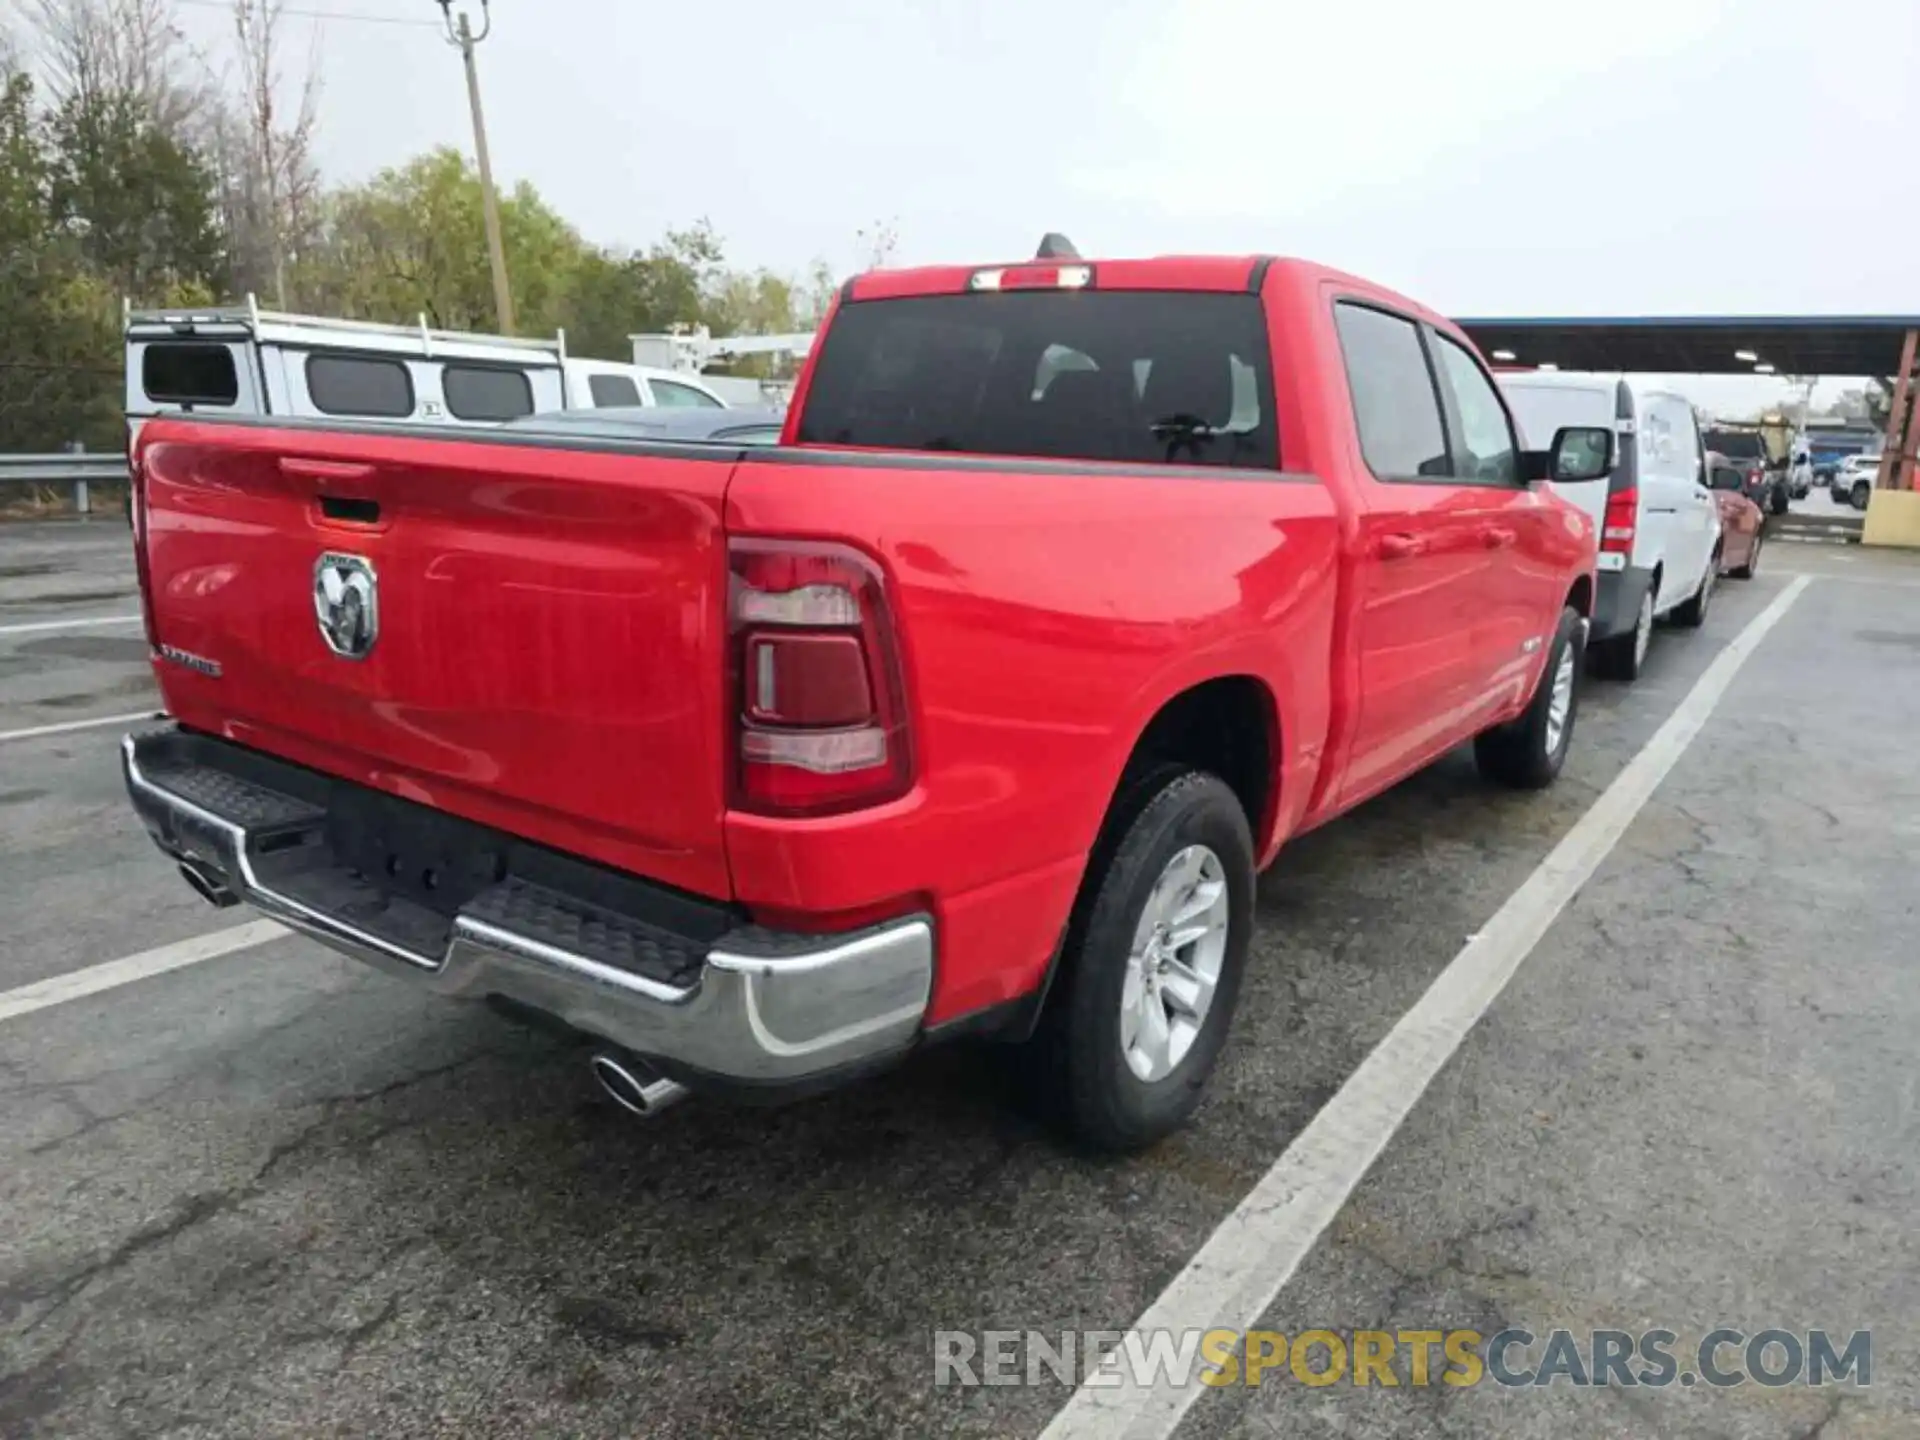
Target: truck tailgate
523, 633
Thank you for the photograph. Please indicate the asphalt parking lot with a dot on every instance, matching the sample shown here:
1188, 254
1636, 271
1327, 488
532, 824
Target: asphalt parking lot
274, 1194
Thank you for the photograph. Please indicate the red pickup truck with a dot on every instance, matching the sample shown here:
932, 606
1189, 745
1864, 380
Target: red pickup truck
1073, 590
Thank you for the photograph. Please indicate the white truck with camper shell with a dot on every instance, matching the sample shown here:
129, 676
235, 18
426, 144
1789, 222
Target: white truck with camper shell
242, 360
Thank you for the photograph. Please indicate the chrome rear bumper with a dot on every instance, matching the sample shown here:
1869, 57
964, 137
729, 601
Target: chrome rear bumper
673, 978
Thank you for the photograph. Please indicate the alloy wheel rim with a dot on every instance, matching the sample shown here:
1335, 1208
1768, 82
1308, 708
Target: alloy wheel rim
1560, 702
1173, 967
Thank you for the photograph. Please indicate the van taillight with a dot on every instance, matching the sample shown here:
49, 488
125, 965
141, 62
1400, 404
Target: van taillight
1617, 529
818, 711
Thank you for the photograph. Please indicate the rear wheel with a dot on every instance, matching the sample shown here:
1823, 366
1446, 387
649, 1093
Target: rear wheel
1779, 502
1151, 970
1862, 493
1746, 571
1693, 612
1622, 657
1527, 752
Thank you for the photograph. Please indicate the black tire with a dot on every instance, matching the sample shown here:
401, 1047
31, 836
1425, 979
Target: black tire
1519, 754
1745, 572
1860, 495
1779, 502
1076, 1060
1691, 614
1623, 657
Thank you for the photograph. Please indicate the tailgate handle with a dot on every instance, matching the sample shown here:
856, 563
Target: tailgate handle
334, 471
343, 507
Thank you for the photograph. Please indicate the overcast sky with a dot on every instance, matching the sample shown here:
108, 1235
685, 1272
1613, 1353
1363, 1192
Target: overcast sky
1486, 156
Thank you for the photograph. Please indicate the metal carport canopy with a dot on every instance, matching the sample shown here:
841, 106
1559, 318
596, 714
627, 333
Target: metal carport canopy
1847, 345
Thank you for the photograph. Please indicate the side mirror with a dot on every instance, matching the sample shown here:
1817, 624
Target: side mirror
1581, 452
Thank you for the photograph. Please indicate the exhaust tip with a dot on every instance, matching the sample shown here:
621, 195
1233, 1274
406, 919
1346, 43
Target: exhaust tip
634, 1086
208, 886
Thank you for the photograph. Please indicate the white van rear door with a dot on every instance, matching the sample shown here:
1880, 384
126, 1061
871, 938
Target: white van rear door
1542, 408
1694, 514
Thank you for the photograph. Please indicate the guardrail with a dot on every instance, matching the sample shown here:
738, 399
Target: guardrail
75, 471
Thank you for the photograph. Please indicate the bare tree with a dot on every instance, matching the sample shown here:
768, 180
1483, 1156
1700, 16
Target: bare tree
93, 50
876, 243
273, 183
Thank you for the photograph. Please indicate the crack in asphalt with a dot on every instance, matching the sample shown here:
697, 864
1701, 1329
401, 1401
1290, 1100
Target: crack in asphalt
1820, 1425
333, 1106
348, 1337
62, 1287
195, 1209
219, 1065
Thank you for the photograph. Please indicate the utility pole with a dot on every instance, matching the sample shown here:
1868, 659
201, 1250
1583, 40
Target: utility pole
460, 34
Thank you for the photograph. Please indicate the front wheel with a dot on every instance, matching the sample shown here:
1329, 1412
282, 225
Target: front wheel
1746, 571
1151, 971
1527, 753
1862, 493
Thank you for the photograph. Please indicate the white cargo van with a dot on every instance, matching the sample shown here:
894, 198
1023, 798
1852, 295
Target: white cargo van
1658, 523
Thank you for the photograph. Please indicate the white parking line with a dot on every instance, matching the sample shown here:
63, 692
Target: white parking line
67, 727
114, 973
1235, 1276
38, 627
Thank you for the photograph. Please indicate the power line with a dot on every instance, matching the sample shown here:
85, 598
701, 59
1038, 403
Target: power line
350, 16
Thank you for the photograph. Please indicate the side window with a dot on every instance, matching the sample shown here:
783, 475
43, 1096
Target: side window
189, 374
484, 392
359, 385
1658, 445
666, 392
1487, 450
1394, 400
612, 390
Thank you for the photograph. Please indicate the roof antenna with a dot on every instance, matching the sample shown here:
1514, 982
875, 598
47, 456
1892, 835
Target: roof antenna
1055, 246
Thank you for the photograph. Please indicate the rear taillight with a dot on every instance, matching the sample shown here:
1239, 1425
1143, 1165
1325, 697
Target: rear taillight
137, 517
1617, 529
819, 720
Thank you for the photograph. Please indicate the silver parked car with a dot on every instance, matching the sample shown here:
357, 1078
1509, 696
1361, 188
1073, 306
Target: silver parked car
1852, 483
741, 426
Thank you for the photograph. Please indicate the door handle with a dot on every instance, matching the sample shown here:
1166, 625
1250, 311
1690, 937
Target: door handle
1496, 538
1398, 546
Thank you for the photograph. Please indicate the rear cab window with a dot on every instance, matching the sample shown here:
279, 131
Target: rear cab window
1737, 444
1142, 377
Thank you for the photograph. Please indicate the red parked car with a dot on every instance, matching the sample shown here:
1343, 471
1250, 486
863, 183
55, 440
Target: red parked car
1075, 590
1743, 525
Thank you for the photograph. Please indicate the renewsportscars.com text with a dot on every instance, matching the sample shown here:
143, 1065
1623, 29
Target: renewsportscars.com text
1723, 1357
